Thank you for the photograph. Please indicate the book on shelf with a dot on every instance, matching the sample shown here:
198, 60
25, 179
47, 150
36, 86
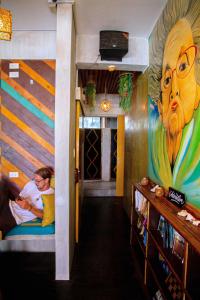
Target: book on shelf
163, 264
178, 246
141, 206
140, 203
171, 239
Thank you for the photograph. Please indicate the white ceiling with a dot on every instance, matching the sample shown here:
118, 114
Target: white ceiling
137, 17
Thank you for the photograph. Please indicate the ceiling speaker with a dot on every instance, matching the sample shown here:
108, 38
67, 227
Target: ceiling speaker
113, 44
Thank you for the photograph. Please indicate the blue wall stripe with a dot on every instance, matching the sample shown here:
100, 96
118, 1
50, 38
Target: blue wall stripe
29, 106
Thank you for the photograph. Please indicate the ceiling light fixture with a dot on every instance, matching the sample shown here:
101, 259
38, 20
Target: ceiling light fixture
105, 103
111, 68
5, 24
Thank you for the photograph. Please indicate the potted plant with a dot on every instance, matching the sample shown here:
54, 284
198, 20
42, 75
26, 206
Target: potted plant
125, 91
90, 93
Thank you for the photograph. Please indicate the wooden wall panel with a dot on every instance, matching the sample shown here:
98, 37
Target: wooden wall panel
136, 139
10, 130
27, 117
39, 91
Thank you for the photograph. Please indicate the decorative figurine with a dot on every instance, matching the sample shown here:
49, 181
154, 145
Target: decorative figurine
145, 181
159, 191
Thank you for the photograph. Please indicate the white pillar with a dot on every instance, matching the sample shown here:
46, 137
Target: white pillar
105, 153
62, 138
103, 122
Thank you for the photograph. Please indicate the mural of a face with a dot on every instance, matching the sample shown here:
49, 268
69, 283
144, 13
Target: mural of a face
180, 91
174, 99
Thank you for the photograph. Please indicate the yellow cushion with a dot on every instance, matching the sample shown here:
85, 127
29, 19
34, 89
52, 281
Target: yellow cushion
52, 182
48, 209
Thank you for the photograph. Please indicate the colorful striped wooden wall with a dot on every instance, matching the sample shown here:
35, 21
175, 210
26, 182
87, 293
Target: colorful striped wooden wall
27, 117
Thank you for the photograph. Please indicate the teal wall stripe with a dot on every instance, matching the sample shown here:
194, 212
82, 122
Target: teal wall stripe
29, 106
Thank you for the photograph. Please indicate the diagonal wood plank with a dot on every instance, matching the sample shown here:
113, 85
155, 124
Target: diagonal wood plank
27, 95
35, 76
7, 167
26, 129
50, 63
21, 150
26, 104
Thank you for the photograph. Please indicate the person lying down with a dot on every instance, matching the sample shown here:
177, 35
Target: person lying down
18, 207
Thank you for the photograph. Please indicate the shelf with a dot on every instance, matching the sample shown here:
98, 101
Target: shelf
172, 261
159, 263
139, 214
193, 281
139, 258
159, 281
157, 271
139, 239
169, 211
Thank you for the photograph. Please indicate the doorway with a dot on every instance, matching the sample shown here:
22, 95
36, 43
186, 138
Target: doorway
102, 121
100, 155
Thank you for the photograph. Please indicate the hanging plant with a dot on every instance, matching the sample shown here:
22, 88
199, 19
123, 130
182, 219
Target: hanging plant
90, 94
125, 91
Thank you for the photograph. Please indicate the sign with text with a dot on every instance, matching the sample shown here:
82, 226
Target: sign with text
176, 197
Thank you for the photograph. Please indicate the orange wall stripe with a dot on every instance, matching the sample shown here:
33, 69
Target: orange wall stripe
7, 167
50, 63
21, 150
27, 129
35, 76
27, 95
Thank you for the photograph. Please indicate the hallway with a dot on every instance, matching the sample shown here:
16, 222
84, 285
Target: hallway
102, 269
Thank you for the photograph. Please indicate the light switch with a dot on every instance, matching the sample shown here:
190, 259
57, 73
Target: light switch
13, 174
14, 74
13, 66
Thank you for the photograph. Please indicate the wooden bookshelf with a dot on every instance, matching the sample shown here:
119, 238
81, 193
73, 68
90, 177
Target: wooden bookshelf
160, 262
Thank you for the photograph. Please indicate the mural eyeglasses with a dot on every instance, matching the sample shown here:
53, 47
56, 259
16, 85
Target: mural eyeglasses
184, 64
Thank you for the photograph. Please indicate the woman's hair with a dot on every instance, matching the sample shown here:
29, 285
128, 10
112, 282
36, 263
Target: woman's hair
45, 172
174, 11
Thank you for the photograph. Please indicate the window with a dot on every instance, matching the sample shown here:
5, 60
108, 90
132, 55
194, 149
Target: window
98, 122
81, 122
111, 123
91, 122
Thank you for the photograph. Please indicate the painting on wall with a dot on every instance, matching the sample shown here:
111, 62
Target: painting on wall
174, 96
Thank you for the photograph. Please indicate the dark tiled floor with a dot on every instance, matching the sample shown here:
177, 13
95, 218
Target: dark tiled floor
103, 268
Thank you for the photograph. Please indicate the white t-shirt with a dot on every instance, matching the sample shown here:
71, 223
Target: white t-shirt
31, 191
